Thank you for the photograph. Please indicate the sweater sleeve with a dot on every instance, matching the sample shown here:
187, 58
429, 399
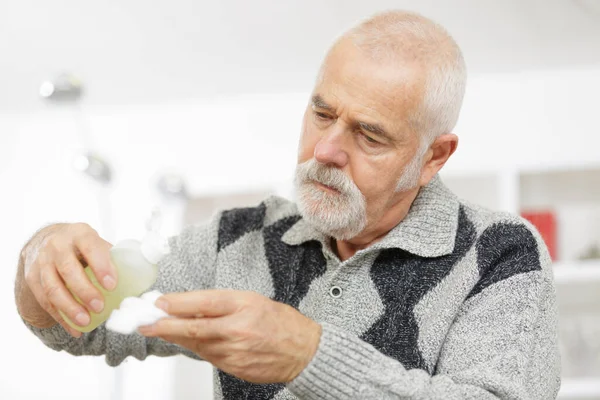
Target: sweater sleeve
189, 266
502, 345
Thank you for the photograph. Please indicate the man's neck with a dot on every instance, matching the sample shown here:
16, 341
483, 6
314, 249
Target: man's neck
345, 249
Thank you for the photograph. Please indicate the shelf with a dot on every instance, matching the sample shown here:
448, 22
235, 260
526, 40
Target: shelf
577, 271
580, 389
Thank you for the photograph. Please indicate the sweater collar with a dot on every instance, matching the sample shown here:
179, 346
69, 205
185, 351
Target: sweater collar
428, 230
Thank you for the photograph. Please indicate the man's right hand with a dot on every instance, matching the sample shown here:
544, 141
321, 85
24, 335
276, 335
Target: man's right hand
51, 261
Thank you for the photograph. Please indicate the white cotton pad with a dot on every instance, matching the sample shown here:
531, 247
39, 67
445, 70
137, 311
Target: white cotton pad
135, 312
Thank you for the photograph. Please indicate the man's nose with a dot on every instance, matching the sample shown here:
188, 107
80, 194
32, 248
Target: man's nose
330, 150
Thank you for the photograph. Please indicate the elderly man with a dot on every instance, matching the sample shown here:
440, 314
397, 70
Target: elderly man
379, 284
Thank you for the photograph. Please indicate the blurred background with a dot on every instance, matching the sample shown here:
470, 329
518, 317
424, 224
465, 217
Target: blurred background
112, 111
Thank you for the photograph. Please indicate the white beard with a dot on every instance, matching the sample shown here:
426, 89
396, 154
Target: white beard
340, 215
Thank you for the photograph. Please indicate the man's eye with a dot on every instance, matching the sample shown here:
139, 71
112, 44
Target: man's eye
369, 139
322, 116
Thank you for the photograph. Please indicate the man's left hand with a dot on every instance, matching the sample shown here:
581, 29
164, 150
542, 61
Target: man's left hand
242, 333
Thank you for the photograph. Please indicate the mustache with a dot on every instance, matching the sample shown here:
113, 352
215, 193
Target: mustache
312, 170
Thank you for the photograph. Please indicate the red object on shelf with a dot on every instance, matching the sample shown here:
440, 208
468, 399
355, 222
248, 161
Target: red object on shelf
545, 222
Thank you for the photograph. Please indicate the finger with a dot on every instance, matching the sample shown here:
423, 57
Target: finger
58, 318
208, 350
36, 288
202, 303
60, 298
190, 344
72, 273
192, 328
96, 253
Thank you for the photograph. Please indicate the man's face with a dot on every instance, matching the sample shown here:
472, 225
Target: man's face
356, 142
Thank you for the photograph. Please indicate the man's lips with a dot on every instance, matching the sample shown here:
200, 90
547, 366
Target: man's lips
326, 188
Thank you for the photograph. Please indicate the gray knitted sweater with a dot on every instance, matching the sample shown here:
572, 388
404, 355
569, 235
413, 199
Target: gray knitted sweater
455, 302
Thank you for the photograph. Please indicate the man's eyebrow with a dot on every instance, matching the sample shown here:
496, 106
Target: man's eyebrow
317, 101
376, 129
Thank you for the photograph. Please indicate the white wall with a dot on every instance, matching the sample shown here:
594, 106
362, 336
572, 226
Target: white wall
140, 52
531, 119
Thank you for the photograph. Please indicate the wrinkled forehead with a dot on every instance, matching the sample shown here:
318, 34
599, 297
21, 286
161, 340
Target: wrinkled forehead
351, 79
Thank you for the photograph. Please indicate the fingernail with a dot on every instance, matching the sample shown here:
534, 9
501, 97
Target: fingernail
82, 319
97, 305
145, 330
109, 282
74, 333
162, 304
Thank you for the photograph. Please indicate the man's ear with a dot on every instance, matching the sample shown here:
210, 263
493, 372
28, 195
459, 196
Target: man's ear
439, 152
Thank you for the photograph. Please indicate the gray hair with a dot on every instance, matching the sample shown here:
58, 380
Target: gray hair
398, 36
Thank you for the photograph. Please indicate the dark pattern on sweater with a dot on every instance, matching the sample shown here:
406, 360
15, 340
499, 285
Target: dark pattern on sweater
293, 268
237, 222
505, 250
402, 280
